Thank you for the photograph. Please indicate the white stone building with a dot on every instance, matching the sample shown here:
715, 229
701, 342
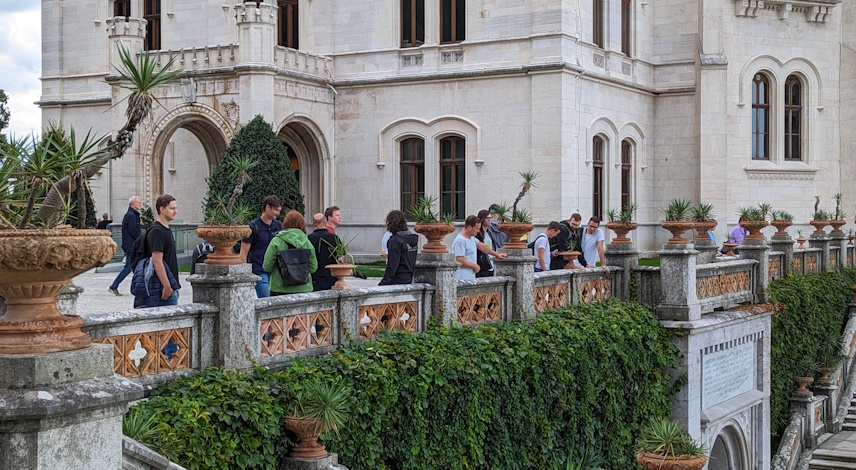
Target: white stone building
608, 100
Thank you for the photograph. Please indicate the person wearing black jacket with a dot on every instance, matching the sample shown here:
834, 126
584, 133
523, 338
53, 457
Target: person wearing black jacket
323, 241
130, 233
401, 251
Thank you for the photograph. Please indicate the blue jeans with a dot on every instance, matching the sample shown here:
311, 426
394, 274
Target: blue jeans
263, 286
172, 300
123, 273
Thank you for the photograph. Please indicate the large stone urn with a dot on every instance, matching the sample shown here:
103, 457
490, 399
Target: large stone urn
435, 232
35, 267
308, 431
754, 228
223, 238
515, 231
621, 230
677, 228
663, 462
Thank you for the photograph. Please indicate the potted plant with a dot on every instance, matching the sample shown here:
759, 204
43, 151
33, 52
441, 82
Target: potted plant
315, 409
820, 219
519, 222
728, 244
781, 220
838, 217
832, 355
801, 240
753, 219
429, 225
571, 254
677, 220
225, 222
804, 375
339, 252
587, 460
702, 214
663, 444
621, 223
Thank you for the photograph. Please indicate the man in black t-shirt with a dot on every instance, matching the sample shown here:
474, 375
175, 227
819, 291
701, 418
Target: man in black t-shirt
161, 243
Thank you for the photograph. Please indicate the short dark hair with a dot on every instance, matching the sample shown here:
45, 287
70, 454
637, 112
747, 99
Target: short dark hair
554, 226
272, 201
595, 219
328, 212
471, 221
576, 216
396, 221
483, 214
163, 201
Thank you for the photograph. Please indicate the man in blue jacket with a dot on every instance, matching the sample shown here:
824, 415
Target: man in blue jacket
130, 233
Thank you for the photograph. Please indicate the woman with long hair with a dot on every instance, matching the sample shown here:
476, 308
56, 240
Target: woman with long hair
292, 236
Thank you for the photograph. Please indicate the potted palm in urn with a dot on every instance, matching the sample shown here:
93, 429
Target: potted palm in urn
801, 240
781, 220
39, 257
431, 226
315, 408
728, 244
753, 219
518, 222
225, 221
804, 375
838, 217
339, 252
832, 355
664, 444
702, 215
677, 220
820, 219
621, 223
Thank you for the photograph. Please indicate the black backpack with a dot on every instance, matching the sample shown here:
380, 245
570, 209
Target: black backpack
531, 244
140, 250
293, 265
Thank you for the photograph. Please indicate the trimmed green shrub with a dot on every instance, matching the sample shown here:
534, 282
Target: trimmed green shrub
812, 312
273, 174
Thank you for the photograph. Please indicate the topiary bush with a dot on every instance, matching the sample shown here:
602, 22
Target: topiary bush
273, 174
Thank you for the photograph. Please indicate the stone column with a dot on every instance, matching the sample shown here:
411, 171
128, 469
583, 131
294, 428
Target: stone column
257, 25
839, 240
63, 409
812, 428
759, 251
678, 298
830, 405
439, 270
786, 246
627, 258
520, 264
822, 242
706, 250
129, 33
236, 335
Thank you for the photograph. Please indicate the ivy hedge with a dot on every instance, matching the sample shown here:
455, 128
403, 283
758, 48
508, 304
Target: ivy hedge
811, 312
505, 396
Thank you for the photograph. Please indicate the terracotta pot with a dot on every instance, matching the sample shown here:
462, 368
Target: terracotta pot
702, 228
515, 231
678, 228
224, 239
730, 247
824, 375
570, 256
341, 271
801, 241
662, 462
308, 431
801, 390
754, 227
35, 267
836, 226
621, 229
435, 232
781, 225
818, 227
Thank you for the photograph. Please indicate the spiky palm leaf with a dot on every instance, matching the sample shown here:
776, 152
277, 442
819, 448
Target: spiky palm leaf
42, 169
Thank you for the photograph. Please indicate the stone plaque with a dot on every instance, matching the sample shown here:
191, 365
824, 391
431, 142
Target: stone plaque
727, 373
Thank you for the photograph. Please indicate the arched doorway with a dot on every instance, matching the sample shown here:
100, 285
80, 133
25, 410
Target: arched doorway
308, 153
729, 451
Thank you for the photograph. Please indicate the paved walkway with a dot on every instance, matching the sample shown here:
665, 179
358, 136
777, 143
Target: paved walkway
837, 453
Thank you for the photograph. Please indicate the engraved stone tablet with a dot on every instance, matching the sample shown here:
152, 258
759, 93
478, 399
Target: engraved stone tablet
727, 373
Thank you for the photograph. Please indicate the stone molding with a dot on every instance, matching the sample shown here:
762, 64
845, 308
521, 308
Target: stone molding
815, 11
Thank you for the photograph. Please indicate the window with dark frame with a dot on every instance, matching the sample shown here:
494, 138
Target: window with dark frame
626, 22
122, 8
412, 23
598, 148
453, 21
597, 11
453, 176
760, 117
793, 116
626, 159
412, 172
152, 14
287, 26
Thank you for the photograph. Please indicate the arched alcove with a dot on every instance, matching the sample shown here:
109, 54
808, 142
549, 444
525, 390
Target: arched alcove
307, 148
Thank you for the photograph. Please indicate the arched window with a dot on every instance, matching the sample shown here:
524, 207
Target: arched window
626, 159
412, 23
152, 14
122, 8
597, 14
598, 148
793, 115
452, 20
453, 176
760, 117
626, 23
287, 25
412, 172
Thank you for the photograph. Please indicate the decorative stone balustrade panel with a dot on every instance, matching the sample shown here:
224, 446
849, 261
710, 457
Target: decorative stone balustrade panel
303, 63
480, 308
150, 353
647, 286
774, 265
551, 296
812, 262
286, 335
798, 264
595, 289
833, 258
722, 284
199, 58
851, 251
391, 316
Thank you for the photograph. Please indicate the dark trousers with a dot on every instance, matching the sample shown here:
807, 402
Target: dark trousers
123, 273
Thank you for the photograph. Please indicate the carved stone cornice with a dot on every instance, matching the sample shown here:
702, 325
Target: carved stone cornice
815, 11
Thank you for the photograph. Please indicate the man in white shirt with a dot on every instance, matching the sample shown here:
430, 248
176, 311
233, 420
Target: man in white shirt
464, 248
541, 246
592, 245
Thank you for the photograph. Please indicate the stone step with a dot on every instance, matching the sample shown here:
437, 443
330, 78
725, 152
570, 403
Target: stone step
835, 455
821, 464
850, 418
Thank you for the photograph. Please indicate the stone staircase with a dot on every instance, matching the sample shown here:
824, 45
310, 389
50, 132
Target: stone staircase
839, 451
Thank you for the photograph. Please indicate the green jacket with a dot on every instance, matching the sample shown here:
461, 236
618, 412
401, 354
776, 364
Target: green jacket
297, 238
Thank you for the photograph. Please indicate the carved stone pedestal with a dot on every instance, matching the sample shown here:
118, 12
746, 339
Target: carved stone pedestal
520, 264
330, 462
438, 269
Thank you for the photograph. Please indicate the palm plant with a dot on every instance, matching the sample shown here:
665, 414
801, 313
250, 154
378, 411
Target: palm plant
75, 156
766, 209
839, 214
227, 212
782, 215
141, 77
329, 404
702, 212
678, 210
662, 436
626, 215
751, 214
339, 250
588, 460
527, 184
423, 211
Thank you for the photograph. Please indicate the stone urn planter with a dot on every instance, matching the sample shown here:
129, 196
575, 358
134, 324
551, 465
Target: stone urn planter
730, 247
515, 231
341, 271
665, 462
621, 230
824, 375
702, 228
678, 229
35, 267
570, 257
818, 227
801, 241
223, 238
836, 227
435, 232
802, 387
781, 225
754, 228
308, 431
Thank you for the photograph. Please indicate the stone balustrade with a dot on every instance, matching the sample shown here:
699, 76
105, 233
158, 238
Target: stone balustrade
198, 58
303, 63
726, 284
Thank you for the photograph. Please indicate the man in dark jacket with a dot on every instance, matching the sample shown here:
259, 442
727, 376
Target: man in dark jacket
323, 241
130, 233
401, 251
570, 233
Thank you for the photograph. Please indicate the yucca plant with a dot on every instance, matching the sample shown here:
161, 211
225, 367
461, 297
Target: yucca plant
587, 460
140, 425
662, 436
702, 212
679, 210
766, 209
502, 211
751, 214
526, 186
626, 215
329, 404
839, 214
425, 211
783, 216
339, 250
227, 212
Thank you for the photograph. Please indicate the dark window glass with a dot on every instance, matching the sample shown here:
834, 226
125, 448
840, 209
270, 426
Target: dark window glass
597, 177
152, 14
626, 158
122, 8
412, 23
760, 118
287, 28
452, 176
412, 172
597, 10
626, 26
452, 14
793, 113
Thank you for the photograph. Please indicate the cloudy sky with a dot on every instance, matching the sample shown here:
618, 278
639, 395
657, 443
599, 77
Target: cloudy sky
21, 62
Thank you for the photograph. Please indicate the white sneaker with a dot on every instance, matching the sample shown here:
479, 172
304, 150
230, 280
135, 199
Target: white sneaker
115, 292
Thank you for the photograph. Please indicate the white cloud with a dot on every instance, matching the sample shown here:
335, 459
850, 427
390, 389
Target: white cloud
21, 63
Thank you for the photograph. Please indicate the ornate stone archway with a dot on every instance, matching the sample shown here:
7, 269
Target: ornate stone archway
304, 136
730, 450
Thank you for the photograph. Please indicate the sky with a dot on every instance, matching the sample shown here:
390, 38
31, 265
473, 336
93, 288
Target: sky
21, 63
